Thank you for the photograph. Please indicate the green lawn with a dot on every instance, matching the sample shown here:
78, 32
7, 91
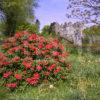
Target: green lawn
83, 83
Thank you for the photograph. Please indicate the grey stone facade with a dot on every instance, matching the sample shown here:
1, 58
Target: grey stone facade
69, 31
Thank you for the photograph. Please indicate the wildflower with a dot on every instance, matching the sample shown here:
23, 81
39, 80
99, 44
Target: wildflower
51, 86
69, 66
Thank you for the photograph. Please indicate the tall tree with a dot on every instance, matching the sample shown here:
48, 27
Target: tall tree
16, 12
86, 10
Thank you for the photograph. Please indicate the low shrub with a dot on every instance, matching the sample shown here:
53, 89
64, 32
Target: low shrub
30, 59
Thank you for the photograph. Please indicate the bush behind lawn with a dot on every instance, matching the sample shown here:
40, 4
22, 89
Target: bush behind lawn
30, 59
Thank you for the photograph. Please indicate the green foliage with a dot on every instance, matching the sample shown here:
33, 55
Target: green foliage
3, 93
45, 29
91, 39
33, 28
48, 30
2, 26
2, 37
92, 30
16, 12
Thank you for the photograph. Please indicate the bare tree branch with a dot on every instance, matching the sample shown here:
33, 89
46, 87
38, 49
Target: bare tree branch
86, 10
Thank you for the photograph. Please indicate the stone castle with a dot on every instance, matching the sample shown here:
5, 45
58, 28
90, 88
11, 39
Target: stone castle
69, 31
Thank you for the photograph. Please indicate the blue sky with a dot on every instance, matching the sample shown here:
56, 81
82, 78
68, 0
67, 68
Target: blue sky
50, 11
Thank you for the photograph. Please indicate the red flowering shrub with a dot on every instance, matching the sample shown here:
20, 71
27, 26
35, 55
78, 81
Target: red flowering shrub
31, 59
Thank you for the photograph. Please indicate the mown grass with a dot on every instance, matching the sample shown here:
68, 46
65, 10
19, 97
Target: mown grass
83, 83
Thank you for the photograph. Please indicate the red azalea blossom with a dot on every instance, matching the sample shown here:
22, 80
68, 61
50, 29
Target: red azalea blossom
18, 35
25, 43
36, 75
27, 64
16, 59
15, 49
7, 74
10, 51
32, 81
32, 37
18, 76
11, 85
57, 70
5, 63
3, 59
39, 68
6, 46
2, 56
45, 51
49, 46
52, 67
55, 43
40, 46
26, 53
31, 47
56, 53
36, 51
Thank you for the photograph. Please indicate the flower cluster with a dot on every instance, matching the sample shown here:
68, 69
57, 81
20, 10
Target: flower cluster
30, 58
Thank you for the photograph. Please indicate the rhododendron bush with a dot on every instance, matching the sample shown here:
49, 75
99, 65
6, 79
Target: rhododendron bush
31, 59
